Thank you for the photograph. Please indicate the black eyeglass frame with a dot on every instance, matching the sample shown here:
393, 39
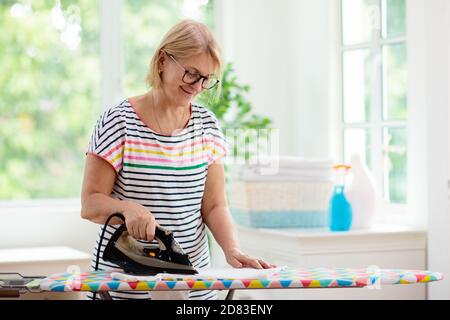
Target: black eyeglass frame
200, 77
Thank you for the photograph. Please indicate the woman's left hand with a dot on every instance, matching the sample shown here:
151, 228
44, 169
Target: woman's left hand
237, 259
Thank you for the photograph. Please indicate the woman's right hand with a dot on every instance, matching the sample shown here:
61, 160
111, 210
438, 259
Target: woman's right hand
140, 221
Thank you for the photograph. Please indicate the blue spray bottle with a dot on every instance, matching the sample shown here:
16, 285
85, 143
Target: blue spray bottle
340, 210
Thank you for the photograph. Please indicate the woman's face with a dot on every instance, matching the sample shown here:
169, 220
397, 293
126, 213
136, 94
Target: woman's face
179, 92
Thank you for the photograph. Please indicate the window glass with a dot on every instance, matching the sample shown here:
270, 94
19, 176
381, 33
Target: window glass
49, 95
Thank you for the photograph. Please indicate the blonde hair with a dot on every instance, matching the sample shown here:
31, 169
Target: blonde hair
184, 40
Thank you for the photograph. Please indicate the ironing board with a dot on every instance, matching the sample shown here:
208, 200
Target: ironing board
284, 278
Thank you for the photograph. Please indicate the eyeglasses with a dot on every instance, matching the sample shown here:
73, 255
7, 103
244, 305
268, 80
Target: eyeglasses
194, 77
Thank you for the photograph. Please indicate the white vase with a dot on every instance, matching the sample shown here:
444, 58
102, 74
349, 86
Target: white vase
361, 194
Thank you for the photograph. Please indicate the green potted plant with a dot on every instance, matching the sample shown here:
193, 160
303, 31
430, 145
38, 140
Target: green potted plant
233, 110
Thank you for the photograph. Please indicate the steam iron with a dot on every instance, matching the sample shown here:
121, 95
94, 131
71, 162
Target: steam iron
138, 259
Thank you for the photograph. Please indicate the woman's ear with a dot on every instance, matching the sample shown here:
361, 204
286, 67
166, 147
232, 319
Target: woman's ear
161, 60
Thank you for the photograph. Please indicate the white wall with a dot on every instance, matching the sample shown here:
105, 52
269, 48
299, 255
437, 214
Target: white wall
42, 227
428, 68
438, 58
281, 49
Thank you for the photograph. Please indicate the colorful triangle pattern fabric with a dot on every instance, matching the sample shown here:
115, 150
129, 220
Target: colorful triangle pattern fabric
284, 278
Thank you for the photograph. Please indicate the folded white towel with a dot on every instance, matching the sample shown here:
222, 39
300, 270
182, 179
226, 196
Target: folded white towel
291, 162
285, 175
287, 168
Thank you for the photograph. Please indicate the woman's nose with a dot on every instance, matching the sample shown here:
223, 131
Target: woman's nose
198, 85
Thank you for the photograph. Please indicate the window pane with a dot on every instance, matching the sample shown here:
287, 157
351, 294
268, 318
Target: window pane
356, 83
49, 89
142, 32
357, 142
395, 157
394, 12
394, 82
357, 21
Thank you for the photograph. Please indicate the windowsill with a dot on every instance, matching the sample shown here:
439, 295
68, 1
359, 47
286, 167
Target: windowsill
375, 230
65, 202
295, 242
40, 206
314, 242
41, 254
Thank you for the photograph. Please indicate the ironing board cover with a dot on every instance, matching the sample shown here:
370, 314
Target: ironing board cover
284, 278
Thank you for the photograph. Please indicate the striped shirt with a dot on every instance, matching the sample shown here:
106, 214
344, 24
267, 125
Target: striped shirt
166, 174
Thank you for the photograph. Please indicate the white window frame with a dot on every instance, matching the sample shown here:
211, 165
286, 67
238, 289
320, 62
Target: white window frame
389, 211
111, 52
111, 90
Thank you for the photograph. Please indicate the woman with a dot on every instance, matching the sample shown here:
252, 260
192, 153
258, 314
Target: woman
156, 158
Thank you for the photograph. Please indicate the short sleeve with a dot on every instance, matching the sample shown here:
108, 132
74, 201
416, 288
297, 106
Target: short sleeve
108, 138
218, 146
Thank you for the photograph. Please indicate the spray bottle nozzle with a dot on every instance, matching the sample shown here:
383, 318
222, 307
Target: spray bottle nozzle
340, 173
342, 166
